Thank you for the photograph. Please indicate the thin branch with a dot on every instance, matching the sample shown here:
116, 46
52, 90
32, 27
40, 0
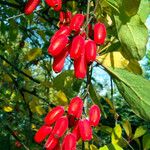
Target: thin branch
20, 71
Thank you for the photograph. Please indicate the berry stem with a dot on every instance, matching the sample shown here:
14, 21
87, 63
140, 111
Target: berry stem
87, 16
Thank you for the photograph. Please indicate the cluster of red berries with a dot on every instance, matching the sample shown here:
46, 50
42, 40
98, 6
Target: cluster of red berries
56, 124
71, 39
32, 4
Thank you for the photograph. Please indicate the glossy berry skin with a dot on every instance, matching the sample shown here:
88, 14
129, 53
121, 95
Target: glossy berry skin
90, 51
85, 130
64, 30
69, 142
52, 3
59, 60
60, 127
31, 6
76, 22
57, 147
75, 107
94, 115
77, 47
68, 16
42, 133
99, 33
59, 6
53, 115
51, 142
80, 67
76, 131
72, 120
57, 46
61, 16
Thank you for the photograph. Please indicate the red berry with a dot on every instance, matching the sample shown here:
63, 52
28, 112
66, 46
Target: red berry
42, 133
99, 33
85, 129
69, 142
57, 147
64, 30
72, 120
59, 60
80, 67
76, 22
75, 107
90, 51
94, 115
76, 131
31, 6
18, 144
61, 16
60, 127
68, 16
54, 114
58, 7
57, 46
51, 143
77, 47
52, 3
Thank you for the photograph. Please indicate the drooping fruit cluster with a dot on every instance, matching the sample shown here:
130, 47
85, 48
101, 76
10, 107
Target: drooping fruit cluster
71, 39
56, 123
32, 4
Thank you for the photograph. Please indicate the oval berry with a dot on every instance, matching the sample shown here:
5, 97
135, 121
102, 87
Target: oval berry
59, 6
77, 47
76, 131
94, 115
54, 114
85, 129
57, 46
90, 51
52, 3
31, 6
59, 60
60, 127
51, 142
68, 16
61, 16
75, 107
99, 33
69, 142
80, 67
76, 22
42, 133
64, 30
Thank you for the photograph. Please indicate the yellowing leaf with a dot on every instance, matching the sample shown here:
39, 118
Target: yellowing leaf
116, 134
127, 127
61, 97
7, 108
33, 54
104, 148
93, 147
113, 59
28, 72
141, 130
40, 110
7, 78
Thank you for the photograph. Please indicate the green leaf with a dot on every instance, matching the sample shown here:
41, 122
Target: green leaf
127, 127
93, 147
106, 129
115, 147
146, 141
140, 131
134, 89
116, 134
104, 148
133, 36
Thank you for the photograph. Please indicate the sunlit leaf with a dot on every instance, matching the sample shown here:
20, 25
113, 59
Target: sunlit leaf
127, 127
61, 98
7, 108
140, 131
146, 142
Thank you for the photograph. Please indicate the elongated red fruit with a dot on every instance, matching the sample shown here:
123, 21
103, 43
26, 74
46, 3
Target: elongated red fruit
60, 127
59, 60
68, 16
76, 131
57, 46
80, 67
94, 115
77, 47
54, 114
90, 51
75, 107
57, 147
69, 142
52, 3
59, 6
85, 130
76, 22
61, 16
31, 6
42, 133
72, 120
51, 142
99, 33
64, 30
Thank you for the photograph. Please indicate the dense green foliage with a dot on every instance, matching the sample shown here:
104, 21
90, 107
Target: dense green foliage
29, 88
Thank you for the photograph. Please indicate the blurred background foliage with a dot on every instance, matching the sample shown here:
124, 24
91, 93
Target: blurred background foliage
29, 88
